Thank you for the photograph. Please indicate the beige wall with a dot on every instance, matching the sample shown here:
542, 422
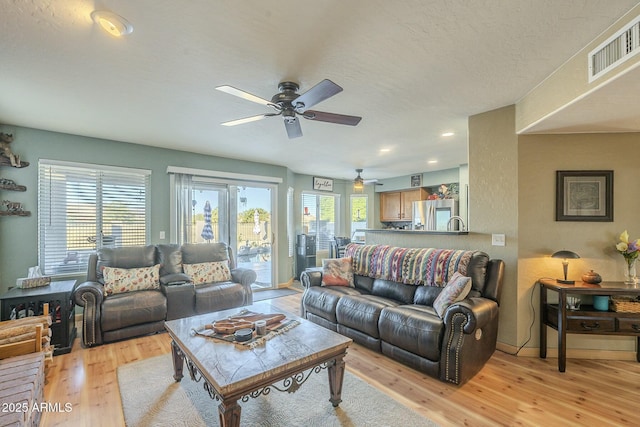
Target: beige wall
493, 208
512, 191
571, 80
539, 157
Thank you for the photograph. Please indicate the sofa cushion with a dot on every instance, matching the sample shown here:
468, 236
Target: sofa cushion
218, 296
134, 308
426, 295
364, 283
456, 290
119, 280
337, 272
208, 272
322, 301
361, 312
394, 290
415, 328
170, 258
125, 257
195, 253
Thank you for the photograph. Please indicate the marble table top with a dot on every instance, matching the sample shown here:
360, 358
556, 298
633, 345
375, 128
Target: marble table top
232, 368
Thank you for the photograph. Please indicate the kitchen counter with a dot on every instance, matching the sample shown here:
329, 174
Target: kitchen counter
428, 232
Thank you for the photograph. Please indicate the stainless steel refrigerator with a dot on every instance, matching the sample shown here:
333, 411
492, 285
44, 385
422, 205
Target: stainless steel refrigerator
434, 215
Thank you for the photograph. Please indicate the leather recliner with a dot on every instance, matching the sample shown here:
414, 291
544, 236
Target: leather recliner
108, 318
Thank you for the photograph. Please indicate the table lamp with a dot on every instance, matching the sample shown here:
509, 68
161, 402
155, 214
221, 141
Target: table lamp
565, 255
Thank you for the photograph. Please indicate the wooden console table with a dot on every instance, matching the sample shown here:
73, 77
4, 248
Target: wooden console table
586, 320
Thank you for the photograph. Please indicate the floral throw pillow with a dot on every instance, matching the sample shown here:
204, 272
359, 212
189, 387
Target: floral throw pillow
457, 289
120, 280
208, 272
337, 272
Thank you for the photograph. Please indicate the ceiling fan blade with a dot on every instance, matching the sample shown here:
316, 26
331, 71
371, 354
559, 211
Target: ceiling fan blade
242, 94
293, 127
323, 90
340, 119
248, 119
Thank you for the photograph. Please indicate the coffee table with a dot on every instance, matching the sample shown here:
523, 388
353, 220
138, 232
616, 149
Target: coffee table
232, 372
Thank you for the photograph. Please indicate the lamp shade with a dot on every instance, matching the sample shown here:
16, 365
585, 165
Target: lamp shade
565, 254
565, 264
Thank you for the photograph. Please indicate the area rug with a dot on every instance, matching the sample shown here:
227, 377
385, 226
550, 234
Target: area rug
151, 397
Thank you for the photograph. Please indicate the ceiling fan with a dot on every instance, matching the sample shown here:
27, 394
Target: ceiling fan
359, 182
289, 104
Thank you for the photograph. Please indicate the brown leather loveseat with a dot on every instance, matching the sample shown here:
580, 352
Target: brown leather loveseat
393, 306
131, 291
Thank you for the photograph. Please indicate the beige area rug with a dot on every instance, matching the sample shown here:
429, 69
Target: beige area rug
151, 397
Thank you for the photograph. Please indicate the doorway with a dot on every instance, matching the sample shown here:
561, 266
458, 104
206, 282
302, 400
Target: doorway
240, 214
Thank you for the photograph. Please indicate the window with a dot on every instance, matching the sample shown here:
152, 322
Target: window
358, 219
82, 207
319, 217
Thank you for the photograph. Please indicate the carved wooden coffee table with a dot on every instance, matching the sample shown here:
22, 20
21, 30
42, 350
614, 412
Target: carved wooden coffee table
232, 372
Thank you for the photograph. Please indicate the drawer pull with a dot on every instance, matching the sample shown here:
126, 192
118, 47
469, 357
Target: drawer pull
590, 327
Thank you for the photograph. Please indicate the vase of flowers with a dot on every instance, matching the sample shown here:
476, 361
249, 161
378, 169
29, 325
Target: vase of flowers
630, 251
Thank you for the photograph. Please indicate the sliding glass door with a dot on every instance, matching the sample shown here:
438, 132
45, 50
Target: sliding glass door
252, 230
239, 214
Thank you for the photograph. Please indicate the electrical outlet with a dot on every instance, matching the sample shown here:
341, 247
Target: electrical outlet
162, 235
498, 240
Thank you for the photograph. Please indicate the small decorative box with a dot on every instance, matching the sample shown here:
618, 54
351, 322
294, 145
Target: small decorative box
33, 282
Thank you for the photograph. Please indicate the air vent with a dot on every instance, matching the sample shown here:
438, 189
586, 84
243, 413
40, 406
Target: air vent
622, 46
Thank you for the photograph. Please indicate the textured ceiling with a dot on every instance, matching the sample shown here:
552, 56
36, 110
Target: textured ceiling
411, 69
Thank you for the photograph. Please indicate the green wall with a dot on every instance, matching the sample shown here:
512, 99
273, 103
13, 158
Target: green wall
19, 235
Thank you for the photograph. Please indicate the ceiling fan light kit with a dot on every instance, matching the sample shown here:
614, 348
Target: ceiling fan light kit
112, 23
359, 182
289, 104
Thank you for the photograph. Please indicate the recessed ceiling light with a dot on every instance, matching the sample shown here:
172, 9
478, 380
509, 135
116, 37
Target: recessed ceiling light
432, 162
448, 134
385, 150
113, 24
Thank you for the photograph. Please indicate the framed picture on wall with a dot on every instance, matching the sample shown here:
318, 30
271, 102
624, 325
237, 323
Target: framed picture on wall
322, 184
584, 195
416, 180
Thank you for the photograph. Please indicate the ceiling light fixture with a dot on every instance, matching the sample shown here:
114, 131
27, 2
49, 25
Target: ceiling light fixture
448, 134
113, 24
431, 162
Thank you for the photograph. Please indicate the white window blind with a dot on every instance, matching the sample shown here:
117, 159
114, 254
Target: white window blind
82, 207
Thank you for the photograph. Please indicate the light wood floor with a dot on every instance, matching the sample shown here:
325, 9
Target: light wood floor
508, 391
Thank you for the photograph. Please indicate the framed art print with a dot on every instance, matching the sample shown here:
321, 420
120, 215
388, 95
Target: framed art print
322, 184
584, 196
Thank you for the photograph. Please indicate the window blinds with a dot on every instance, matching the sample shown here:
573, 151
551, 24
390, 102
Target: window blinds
82, 207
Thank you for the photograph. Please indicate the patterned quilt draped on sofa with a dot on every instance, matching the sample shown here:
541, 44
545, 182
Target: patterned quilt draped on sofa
413, 266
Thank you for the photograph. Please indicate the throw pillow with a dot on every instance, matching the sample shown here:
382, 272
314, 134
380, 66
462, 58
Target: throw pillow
457, 289
208, 272
120, 280
337, 272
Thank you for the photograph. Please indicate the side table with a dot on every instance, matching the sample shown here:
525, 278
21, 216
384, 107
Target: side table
29, 302
586, 320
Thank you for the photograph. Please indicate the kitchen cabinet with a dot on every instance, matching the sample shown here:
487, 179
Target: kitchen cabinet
398, 205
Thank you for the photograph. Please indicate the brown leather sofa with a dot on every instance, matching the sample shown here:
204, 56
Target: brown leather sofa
397, 318
108, 318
